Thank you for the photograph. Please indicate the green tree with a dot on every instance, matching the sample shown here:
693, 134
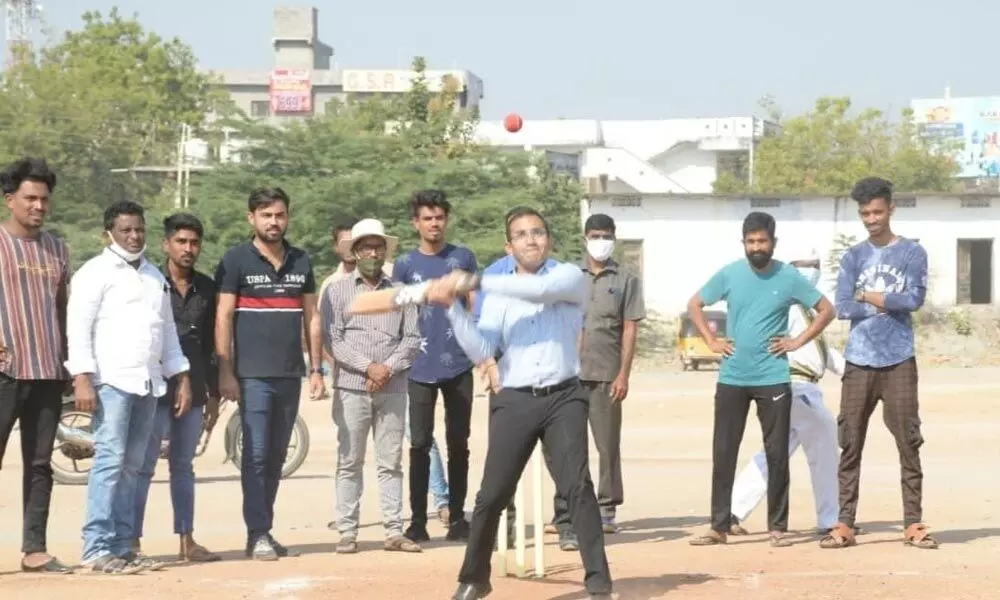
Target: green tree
826, 150
108, 96
365, 158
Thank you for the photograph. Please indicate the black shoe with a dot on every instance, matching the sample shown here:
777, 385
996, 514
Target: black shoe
52, 566
280, 550
458, 531
471, 591
568, 541
417, 533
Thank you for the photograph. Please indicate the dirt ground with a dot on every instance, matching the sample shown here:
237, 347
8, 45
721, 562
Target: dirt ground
666, 451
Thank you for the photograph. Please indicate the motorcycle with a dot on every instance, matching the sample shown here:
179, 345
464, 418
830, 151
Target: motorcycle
75, 441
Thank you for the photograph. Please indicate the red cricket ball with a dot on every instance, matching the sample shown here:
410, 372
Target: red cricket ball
513, 122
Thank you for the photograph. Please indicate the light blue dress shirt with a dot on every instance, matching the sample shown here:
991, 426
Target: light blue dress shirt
502, 266
534, 320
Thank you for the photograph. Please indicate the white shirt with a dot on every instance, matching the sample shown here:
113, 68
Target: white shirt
120, 326
815, 357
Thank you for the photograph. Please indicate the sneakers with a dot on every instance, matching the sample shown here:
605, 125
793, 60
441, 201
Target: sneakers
458, 531
263, 549
608, 524
568, 541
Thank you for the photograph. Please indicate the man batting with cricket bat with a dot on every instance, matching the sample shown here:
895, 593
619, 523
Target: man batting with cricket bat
534, 317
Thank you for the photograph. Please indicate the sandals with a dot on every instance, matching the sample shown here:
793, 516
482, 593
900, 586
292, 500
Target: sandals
399, 543
198, 553
841, 536
916, 536
112, 565
347, 546
779, 539
712, 538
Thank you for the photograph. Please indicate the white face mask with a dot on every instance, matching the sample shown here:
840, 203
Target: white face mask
811, 274
125, 254
600, 250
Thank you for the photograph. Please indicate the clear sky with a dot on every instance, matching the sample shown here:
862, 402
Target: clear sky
624, 59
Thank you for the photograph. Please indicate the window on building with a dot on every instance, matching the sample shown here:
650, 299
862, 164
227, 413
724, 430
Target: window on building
976, 202
260, 108
974, 276
905, 201
761, 202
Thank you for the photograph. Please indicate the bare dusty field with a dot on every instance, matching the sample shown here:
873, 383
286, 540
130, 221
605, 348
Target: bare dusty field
667, 466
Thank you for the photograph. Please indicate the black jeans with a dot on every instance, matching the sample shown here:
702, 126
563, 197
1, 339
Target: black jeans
606, 427
774, 409
518, 420
37, 404
457, 393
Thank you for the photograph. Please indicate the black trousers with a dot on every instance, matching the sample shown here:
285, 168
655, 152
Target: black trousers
606, 427
37, 404
457, 393
774, 406
518, 420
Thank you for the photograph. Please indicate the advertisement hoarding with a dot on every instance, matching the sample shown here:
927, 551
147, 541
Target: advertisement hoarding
291, 91
973, 124
386, 81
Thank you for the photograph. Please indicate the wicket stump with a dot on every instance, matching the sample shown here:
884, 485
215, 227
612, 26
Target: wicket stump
520, 526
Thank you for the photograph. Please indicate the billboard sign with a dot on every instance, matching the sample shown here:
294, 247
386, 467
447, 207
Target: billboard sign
383, 81
972, 123
291, 91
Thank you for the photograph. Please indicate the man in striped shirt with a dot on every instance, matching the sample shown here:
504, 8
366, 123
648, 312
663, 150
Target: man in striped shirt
372, 354
34, 270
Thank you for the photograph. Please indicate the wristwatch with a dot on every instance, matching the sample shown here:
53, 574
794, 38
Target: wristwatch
859, 295
320, 370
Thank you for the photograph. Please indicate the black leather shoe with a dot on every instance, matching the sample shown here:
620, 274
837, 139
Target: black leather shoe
471, 591
53, 566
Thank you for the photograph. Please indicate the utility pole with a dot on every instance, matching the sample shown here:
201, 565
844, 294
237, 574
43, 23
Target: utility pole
18, 18
180, 200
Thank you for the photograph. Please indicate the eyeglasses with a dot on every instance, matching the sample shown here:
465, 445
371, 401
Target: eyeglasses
370, 250
537, 234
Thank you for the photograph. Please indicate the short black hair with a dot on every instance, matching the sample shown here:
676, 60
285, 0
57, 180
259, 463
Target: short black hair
759, 221
122, 207
27, 169
343, 226
429, 199
522, 211
870, 188
182, 221
599, 222
266, 196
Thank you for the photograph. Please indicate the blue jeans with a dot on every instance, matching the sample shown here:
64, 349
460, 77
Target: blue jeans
183, 433
268, 408
122, 425
438, 483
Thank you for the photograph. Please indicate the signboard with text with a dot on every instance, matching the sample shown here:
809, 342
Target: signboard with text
395, 81
972, 125
291, 91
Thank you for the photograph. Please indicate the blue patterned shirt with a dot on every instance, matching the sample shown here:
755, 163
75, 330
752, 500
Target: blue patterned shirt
899, 272
535, 320
440, 357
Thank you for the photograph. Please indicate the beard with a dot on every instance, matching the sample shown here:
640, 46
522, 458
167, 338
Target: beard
759, 259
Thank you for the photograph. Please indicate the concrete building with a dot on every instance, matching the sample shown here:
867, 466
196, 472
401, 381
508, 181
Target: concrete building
677, 241
670, 156
305, 79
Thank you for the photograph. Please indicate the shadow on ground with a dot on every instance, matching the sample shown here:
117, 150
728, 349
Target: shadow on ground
637, 588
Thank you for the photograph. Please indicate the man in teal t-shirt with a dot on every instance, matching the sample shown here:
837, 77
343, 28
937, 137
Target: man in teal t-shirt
758, 292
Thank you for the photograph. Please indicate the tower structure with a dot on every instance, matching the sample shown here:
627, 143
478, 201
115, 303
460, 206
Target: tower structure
19, 16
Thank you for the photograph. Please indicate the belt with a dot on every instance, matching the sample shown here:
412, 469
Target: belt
548, 389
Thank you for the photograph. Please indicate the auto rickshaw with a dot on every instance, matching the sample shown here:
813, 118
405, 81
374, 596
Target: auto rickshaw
692, 350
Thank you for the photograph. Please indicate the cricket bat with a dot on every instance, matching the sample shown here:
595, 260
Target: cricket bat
392, 299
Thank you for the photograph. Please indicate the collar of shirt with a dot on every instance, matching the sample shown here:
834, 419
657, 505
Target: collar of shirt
382, 282
609, 265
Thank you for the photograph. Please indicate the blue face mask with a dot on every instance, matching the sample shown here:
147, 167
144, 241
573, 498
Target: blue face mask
811, 274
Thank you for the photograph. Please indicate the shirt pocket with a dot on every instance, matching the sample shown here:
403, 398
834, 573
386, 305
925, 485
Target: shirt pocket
606, 304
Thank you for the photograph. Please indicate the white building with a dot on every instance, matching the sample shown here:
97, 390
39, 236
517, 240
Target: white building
677, 241
305, 79
669, 156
